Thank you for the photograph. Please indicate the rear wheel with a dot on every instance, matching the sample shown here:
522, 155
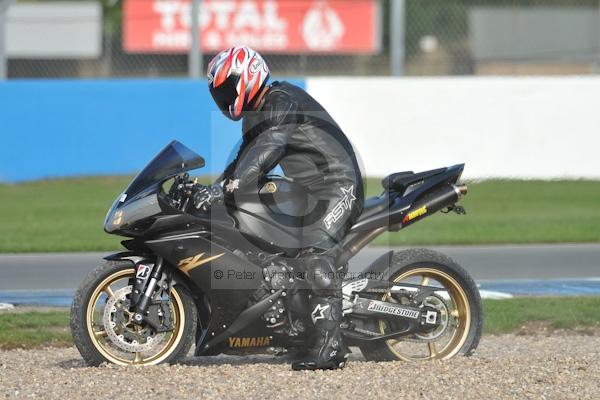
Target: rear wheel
102, 328
457, 300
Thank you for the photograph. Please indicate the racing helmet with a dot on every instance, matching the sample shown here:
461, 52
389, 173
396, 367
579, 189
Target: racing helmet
236, 77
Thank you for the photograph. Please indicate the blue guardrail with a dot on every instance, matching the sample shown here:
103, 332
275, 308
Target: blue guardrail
58, 128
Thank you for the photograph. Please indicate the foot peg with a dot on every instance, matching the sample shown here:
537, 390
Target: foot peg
460, 210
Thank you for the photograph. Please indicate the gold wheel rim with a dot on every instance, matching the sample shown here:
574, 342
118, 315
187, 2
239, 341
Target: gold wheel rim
137, 358
460, 311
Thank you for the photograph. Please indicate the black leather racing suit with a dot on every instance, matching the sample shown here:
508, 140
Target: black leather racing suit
293, 130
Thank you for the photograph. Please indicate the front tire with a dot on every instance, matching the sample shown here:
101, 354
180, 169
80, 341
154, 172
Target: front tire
91, 335
462, 305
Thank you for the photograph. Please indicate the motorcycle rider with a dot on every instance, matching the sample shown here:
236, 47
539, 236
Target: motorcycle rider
283, 125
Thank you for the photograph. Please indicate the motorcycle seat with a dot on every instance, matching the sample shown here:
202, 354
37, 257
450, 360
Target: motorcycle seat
399, 181
374, 205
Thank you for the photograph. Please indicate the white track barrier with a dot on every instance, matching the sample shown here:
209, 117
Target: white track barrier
526, 127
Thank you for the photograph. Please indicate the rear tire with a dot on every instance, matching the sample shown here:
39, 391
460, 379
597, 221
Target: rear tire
91, 348
413, 261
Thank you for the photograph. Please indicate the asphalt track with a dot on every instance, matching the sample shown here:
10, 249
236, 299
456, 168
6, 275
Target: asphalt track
501, 268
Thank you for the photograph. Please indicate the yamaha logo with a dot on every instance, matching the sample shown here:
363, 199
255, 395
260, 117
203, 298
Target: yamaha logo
271, 187
260, 341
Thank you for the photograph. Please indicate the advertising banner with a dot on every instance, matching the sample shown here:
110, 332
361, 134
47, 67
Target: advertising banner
284, 26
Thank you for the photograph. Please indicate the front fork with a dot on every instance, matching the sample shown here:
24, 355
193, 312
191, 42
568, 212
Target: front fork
145, 299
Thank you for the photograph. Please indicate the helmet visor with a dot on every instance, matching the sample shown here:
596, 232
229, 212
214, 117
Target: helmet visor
224, 95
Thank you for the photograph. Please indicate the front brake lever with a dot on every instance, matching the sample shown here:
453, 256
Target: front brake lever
187, 191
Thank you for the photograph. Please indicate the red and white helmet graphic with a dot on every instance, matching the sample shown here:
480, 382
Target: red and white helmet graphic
236, 77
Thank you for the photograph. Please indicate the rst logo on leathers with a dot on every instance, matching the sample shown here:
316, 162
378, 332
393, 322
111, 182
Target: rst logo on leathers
345, 204
402, 312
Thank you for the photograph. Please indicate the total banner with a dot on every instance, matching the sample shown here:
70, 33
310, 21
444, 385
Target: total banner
282, 26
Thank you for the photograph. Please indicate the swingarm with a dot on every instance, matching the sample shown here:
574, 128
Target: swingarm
407, 317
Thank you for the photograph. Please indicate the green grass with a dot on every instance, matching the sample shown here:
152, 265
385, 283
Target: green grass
38, 329
58, 215
34, 329
67, 215
500, 212
503, 316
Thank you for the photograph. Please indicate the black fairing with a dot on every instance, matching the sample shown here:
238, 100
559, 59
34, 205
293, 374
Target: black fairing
209, 253
275, 216
411, 189
137, 208
229, 294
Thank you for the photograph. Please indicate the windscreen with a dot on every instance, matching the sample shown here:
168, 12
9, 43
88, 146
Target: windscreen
174, 159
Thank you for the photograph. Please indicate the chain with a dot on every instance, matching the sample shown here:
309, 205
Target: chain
366, 332
374, 290
403, 339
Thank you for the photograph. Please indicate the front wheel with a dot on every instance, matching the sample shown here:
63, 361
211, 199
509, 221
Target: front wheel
457, 300
101, 321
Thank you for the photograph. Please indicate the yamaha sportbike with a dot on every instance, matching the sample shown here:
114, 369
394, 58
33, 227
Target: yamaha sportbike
231, 282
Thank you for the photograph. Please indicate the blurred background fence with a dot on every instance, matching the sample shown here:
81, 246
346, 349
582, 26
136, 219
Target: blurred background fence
151, 38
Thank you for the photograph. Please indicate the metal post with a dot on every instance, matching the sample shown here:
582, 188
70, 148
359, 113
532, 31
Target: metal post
107, 39
397, 25
4, 4
597, 65
195, 51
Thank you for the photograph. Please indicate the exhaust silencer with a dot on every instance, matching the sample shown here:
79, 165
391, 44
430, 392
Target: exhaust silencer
445, 196
433, 202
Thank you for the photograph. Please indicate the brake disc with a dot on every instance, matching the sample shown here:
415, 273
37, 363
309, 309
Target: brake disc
121, 331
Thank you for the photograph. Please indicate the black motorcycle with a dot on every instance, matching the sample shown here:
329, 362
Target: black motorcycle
229, 282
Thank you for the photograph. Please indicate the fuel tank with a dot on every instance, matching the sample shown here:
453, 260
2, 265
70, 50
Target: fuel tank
276, 214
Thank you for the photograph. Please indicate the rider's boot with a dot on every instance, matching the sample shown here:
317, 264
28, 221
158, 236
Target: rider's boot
328, 351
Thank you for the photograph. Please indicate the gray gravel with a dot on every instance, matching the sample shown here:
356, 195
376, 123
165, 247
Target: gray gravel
560, 366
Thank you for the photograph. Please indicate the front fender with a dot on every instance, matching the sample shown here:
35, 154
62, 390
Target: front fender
125, 256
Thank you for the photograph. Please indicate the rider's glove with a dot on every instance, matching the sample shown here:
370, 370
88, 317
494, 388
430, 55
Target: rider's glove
204, 197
